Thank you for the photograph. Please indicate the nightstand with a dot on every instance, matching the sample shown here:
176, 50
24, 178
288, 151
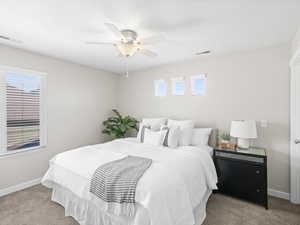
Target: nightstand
243, 174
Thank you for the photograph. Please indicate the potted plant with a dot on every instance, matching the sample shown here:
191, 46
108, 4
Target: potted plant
118, 126
225, 138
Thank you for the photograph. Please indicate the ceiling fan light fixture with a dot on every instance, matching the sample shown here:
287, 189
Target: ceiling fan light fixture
127, 49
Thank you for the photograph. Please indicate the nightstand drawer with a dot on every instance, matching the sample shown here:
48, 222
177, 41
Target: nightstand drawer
253, 194
240, 172
240, 157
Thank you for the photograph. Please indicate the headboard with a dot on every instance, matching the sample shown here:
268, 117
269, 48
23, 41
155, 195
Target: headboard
213, 138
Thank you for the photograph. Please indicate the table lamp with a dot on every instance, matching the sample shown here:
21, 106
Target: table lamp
243, 130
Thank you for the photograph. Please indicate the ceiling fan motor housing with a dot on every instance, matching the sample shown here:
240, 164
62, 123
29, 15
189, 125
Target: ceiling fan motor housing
130, 35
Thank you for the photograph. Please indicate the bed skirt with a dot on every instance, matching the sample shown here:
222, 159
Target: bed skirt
87, 213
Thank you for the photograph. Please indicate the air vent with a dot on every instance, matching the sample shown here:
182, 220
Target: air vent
203, 53
4, 37
10, 39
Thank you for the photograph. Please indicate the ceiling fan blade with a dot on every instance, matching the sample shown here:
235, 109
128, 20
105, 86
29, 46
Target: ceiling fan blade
114, 30
152, 40
98, 43
147, 52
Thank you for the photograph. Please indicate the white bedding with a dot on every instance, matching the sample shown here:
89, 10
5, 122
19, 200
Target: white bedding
171, 188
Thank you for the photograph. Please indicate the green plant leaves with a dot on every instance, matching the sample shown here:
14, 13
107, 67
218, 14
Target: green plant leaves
118, 126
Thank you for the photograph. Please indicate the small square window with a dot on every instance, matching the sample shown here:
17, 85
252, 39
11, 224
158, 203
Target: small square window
178, 86
198, 85
160, 88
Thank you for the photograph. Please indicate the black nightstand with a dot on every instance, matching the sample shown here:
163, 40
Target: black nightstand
243, 174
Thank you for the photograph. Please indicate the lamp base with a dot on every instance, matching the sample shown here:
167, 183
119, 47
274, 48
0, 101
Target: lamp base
243, 143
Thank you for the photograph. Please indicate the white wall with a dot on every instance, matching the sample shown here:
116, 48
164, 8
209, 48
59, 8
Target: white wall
295, 43
78, 100
247, 85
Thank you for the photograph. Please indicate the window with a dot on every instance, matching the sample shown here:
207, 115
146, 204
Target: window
160, 88
178, 86
198, 84
22, 110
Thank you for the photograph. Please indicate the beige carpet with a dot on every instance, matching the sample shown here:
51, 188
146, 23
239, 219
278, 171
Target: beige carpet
33, 207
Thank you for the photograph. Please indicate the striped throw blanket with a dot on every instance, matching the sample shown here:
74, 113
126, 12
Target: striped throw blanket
114, 184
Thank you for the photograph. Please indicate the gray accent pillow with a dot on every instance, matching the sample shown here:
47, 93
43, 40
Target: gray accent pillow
164, 127
143, 132
172, 136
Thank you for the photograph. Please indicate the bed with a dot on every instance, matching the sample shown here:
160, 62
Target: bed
173, 191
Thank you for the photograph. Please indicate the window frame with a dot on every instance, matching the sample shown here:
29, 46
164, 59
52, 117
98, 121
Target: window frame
156, 88
3, 113
193, 78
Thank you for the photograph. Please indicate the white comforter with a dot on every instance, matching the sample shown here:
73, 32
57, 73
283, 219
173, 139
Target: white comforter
169, 190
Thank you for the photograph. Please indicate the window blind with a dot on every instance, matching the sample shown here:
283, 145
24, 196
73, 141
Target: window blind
23, 100
178, 86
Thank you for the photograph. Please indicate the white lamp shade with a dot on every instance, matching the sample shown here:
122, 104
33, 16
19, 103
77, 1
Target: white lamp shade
243, 129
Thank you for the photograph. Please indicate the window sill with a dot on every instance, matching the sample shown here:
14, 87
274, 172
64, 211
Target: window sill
19, 152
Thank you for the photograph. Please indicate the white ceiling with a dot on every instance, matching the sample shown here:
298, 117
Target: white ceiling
59, 28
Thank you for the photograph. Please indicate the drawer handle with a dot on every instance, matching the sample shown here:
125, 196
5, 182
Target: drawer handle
257, 190
257, 172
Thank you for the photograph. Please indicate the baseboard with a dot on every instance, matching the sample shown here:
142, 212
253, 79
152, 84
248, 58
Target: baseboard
279, 194
19, 187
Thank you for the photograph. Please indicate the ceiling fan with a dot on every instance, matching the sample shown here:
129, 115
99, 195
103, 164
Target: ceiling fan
129, 43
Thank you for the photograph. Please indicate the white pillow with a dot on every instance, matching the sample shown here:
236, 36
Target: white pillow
154, 124
172, 136
186, 130
200, 136
155, 138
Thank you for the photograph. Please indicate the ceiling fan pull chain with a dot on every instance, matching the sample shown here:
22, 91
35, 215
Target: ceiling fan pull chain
126, 65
